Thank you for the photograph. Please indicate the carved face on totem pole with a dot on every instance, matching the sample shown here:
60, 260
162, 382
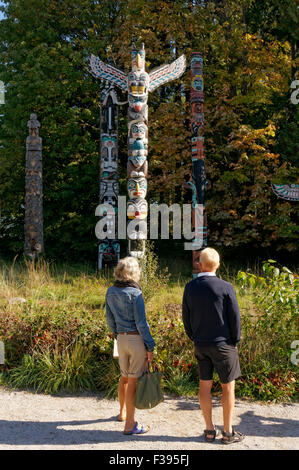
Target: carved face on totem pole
196, 62
197, 83
108, 188
139, 131
137, 209
138, 110
138, 147
137, 166
137, 188
138, 83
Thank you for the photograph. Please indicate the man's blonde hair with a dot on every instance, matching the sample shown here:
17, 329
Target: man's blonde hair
209, 259
127, 269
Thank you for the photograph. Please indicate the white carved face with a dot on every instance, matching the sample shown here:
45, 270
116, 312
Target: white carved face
136, 103
139, 130
137, 209
137, 188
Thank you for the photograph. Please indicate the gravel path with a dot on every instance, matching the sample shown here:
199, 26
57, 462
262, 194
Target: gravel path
36, 421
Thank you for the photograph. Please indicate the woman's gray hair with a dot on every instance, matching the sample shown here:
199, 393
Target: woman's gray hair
127, 269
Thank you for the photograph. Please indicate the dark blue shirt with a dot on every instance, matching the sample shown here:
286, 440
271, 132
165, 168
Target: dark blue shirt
211, 312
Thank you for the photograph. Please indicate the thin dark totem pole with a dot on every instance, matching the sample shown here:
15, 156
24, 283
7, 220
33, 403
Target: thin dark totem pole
138, 84
33, 227
109, 248
198, 182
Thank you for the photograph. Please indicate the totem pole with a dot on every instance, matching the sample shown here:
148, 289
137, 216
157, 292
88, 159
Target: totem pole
34, 240
138, 84
109, 248
198, 182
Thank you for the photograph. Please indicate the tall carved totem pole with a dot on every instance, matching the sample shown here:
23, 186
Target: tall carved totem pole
138, 84
198, 182
34, 238
109, 248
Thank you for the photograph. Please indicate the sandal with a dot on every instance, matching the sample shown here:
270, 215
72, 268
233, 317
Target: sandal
137, 430
211, 432
232, 437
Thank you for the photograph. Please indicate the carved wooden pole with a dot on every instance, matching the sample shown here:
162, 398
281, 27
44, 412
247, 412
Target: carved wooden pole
198, 182
34, 237
109, 248
138, 84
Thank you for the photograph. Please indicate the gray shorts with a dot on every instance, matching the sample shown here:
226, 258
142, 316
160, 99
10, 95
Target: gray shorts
132, 355
224, 359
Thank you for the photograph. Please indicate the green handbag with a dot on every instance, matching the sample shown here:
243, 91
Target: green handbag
148, 391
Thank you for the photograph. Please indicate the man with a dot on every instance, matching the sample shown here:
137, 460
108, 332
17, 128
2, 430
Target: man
212, 321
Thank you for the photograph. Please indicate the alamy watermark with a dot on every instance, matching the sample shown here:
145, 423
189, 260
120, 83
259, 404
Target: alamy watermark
187, 221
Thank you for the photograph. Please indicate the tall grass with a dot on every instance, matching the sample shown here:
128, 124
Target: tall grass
71, 371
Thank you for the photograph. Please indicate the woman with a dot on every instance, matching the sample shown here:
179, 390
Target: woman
125, 312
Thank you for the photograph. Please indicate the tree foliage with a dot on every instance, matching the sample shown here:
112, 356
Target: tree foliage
251, 131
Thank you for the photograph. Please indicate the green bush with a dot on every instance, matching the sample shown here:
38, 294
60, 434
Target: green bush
265, 349
70, 371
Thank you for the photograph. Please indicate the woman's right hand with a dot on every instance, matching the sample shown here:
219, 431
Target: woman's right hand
150, 356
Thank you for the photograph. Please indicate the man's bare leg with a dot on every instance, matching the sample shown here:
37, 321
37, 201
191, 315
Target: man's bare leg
205, 400
228, 403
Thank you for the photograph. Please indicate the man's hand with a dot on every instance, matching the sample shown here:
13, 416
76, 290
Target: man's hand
150, 356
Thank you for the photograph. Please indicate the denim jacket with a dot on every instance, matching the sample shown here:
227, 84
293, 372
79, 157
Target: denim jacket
125, 311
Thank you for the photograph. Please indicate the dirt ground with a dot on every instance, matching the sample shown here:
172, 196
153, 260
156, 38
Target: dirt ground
86, 421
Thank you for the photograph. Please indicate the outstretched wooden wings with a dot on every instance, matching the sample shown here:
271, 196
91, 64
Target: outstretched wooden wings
166, 73
159, 76
290, 192
107, 72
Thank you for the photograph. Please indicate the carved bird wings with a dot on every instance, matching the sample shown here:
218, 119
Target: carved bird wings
107, 72
166, 73
158, 76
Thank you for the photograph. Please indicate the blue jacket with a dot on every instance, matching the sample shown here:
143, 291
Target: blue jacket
125, 311
210, 312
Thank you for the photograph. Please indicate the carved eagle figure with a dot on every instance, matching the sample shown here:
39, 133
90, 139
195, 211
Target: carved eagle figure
159, 76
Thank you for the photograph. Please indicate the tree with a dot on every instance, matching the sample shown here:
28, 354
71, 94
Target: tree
248, 57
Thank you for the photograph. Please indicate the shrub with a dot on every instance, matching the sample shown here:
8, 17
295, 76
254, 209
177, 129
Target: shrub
152, 278
265, 349
70, 371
